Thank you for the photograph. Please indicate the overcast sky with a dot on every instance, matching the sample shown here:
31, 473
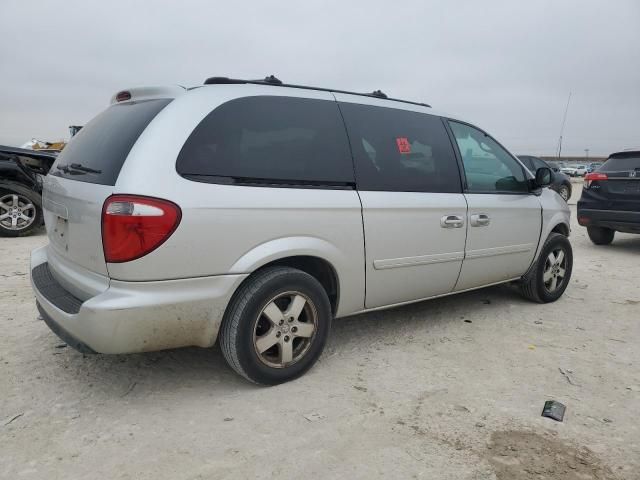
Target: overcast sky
507, 66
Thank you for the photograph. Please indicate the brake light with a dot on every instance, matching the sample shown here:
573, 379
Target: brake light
133, 226
590, 177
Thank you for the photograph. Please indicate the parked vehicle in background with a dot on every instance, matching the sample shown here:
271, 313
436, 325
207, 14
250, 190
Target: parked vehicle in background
574, 170
239, 211
21, 173
581, 170
559, 181
555, 166
592, 167
610, 198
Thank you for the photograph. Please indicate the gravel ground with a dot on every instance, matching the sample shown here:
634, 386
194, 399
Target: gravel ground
447, 389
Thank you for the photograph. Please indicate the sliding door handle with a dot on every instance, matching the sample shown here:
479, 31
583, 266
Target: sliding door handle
480, 220
451, 221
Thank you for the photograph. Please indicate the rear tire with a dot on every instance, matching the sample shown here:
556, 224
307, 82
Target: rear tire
276, 325
549, 277
20, 212
601, 235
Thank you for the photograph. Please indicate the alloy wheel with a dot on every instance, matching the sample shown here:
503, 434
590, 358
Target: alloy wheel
564, 193
16, 212
555, 268
285, 329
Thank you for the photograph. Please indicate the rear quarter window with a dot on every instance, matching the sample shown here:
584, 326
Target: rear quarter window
104, 143
269, 140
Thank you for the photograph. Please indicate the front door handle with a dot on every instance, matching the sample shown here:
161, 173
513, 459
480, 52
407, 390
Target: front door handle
451, 221
480, 220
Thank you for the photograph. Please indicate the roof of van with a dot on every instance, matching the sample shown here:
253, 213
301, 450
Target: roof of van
377, 97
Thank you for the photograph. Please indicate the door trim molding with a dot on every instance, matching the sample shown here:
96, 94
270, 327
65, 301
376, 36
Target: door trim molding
418, 260
495, 251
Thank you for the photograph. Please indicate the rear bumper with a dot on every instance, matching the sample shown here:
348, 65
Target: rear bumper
131, 317
620, 220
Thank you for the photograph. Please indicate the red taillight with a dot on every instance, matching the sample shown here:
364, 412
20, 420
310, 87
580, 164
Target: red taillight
123, 96
133, 226
590, 177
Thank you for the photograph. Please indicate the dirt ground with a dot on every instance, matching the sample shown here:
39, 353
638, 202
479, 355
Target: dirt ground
447, 389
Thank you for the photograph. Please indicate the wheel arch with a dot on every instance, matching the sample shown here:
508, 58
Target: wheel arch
561, 228
315, 256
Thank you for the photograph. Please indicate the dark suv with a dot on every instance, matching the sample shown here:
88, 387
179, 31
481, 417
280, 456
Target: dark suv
559, 181
610, 199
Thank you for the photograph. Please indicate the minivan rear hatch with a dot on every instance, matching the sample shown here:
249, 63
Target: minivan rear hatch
82, 178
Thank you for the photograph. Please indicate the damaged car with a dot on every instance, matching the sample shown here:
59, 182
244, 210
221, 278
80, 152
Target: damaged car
21, 174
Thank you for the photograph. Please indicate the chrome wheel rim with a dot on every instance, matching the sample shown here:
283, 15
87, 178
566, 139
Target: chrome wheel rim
285, 329
16, 212
555, 269
564, 193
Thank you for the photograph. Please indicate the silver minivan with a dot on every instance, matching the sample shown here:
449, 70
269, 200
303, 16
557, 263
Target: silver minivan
256, 212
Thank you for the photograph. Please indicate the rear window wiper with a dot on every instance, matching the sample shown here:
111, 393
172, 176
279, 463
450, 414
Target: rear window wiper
76, 167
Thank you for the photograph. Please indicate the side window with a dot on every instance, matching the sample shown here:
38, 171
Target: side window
400, 150
270, 138
487, 166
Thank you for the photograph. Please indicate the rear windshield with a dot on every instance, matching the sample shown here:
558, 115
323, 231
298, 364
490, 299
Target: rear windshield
97, 152
617, 164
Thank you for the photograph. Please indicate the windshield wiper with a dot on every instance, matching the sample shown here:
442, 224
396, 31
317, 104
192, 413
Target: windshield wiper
77, 168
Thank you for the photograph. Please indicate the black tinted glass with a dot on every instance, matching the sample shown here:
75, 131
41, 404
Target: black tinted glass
399, 150
617, 164
103, 144
272, 138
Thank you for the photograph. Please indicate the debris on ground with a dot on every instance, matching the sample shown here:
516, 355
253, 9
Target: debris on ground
15, 417
554, 410
313, 417
567, 375
131, 387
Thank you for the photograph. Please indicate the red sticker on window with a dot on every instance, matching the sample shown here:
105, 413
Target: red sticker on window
403, 145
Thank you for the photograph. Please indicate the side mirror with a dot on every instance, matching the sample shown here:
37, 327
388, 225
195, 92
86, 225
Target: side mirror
543, 177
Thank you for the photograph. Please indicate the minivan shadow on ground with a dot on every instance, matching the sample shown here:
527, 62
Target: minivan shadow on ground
114, 376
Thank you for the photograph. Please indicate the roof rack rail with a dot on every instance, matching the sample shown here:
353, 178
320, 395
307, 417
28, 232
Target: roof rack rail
274, 81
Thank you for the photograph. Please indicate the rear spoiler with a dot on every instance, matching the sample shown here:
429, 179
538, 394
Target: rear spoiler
138, 94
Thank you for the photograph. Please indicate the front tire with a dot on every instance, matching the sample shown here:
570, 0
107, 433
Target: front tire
601, 235
549, 277
276, 325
